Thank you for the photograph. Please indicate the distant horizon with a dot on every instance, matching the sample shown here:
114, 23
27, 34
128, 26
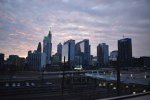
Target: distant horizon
23, 24
75, 43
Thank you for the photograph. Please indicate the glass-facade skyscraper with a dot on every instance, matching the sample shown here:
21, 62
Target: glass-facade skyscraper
36, 60
68, 51
59, 51
82, 51
103, 54
39, 48
113, 55
47, 47
125, 52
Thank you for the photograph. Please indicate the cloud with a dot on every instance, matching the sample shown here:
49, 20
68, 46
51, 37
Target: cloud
24, 23
22, 33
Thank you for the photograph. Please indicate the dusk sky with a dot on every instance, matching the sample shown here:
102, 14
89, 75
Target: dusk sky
24, 23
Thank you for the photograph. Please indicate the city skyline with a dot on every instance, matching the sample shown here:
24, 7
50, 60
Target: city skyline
23, 24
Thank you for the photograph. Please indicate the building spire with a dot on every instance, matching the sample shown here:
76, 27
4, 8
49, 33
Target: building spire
39, 48
49, 34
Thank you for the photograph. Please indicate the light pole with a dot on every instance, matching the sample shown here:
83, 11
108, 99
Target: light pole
118, 76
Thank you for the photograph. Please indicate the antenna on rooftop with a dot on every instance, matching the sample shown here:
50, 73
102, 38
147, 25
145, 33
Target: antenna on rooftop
50, 28
123, 36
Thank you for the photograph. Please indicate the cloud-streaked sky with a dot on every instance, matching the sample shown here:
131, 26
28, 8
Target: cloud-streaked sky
24, 23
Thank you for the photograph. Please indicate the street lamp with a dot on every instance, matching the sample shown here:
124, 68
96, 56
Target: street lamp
144, 91
134, 92
100, 84
114, 88
104, 84
111, 84
127, 86
145, 76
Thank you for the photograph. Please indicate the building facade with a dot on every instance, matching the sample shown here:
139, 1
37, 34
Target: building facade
2, 59
16, 63
56, 59
39, 48
13, 60
59, 51
103, 54
113, 56
145, 61
36, 60
68, 51
82, 52
125, 52
47, 47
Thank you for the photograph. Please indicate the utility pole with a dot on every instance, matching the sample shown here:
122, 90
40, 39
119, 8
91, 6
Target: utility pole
118, 77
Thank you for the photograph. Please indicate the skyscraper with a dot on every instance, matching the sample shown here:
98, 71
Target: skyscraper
59, 51
125, 52
39, 48
47, 47
1, 59
113, 58
68, 51
17, 62
13, 60
103, 54
36, 60
113, 55
82, 51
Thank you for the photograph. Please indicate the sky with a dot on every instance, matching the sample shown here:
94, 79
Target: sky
24, 23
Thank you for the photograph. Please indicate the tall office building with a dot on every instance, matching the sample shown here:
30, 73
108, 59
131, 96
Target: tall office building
1, 59
13, 60
59, 51
103, 54
36, 60
68, 51
17, 62
125, 52
39, 48
47, 47
82, 51
113, 56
